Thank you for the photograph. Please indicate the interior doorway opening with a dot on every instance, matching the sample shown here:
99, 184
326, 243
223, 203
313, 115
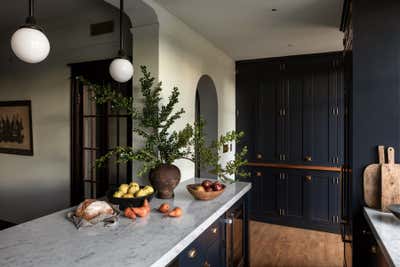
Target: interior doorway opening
207, 108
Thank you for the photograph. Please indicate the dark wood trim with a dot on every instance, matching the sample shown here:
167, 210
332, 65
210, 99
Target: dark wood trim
295, 166
16, 151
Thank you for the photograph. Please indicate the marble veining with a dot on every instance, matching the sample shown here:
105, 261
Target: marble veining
153, 241
386, 230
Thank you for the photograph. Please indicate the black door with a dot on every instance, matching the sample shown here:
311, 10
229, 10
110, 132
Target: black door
96, 129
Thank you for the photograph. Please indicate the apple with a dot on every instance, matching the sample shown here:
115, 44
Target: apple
217, 186
208, 189
206, 183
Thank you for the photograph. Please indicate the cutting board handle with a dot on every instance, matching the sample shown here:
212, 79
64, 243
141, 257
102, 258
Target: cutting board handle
381, 154
391, 158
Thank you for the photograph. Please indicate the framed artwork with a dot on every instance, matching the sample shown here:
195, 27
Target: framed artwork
16, 128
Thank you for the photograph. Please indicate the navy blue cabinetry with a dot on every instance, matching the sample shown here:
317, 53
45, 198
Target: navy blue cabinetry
224, 243
291, 109
308, 199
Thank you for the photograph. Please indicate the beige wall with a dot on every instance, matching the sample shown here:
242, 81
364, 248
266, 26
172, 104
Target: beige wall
37, 185
185, 56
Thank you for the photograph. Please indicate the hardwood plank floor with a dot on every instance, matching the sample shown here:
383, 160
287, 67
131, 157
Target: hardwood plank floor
281, 246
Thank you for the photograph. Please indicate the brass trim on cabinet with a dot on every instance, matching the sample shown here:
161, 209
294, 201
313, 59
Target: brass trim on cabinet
294, 166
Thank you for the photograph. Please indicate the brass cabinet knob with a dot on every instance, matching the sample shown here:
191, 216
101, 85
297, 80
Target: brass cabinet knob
308, 158
206, 264
192, 253
214, 230
258, 174
373, 249
259, 156
308, 178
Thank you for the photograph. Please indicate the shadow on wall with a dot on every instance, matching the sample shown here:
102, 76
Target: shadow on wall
207, 108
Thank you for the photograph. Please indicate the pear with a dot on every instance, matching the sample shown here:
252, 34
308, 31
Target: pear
141, 193
118, 194
123, 188
133, 188
128, 196
148, 189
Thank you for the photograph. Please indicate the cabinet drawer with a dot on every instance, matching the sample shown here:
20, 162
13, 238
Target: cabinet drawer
193, 255
213, 233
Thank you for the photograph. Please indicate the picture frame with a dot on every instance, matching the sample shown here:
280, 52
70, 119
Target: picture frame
16, 127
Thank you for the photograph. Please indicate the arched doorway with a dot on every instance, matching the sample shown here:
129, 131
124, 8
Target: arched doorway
207, 108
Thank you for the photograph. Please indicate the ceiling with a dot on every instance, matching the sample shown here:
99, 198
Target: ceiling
247, 29
13, 13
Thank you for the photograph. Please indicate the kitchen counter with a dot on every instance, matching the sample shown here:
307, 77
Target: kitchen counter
153, 241
386, 230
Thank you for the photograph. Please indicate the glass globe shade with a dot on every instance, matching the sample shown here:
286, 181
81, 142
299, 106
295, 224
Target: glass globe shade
121, 70
30, 45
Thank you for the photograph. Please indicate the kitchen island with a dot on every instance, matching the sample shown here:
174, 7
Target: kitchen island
385, 228
152, 241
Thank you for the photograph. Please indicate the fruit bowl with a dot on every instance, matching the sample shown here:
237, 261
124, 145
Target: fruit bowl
124, 203
203, 195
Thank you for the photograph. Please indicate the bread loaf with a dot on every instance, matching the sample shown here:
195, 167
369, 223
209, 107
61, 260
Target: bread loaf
91, 208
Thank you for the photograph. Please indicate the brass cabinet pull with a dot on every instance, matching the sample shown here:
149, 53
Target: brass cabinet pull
308, 158
206, 264
192, 253
308, 178
214, 230
258, 174
259, 156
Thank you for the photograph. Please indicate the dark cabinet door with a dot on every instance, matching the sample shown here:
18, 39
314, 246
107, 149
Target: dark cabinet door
292, 191
266, 122
323, 198
264, 193
319, 125
294, 118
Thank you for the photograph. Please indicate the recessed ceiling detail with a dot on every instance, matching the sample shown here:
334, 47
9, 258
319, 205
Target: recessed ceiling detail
247, 29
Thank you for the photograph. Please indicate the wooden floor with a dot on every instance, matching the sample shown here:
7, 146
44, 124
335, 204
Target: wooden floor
281, 246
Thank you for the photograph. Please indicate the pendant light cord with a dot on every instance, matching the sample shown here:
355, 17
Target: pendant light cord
31, 8
121, 35
30, 20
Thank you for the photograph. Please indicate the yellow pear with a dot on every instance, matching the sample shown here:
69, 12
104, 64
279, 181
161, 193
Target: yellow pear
141, 193
118, 194
123, 188
128, 196
133, 188
149, 190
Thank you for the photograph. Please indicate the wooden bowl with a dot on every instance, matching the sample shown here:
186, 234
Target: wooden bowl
124, 203
202, 195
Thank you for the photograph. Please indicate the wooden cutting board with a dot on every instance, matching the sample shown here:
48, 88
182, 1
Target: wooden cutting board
372, 181
390, 181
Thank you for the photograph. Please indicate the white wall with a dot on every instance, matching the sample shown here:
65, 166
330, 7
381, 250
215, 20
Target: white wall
34, 186
184, 56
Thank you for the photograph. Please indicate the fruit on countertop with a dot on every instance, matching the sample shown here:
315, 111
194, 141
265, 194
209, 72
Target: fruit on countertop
123, 188
209, 186
142, 211
164, 208
141, 193
133, 190
118, 194
206, 183
176, 212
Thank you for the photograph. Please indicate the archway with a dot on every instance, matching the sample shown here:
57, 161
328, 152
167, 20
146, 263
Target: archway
207, 108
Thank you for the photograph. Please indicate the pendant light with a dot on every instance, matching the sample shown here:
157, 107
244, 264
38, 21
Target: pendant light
29, 43
121, 69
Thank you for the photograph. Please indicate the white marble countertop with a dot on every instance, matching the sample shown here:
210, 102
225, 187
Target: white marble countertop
386, 230
153, 241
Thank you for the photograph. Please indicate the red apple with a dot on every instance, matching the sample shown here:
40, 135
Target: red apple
206, 183
208, 189
217, 186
